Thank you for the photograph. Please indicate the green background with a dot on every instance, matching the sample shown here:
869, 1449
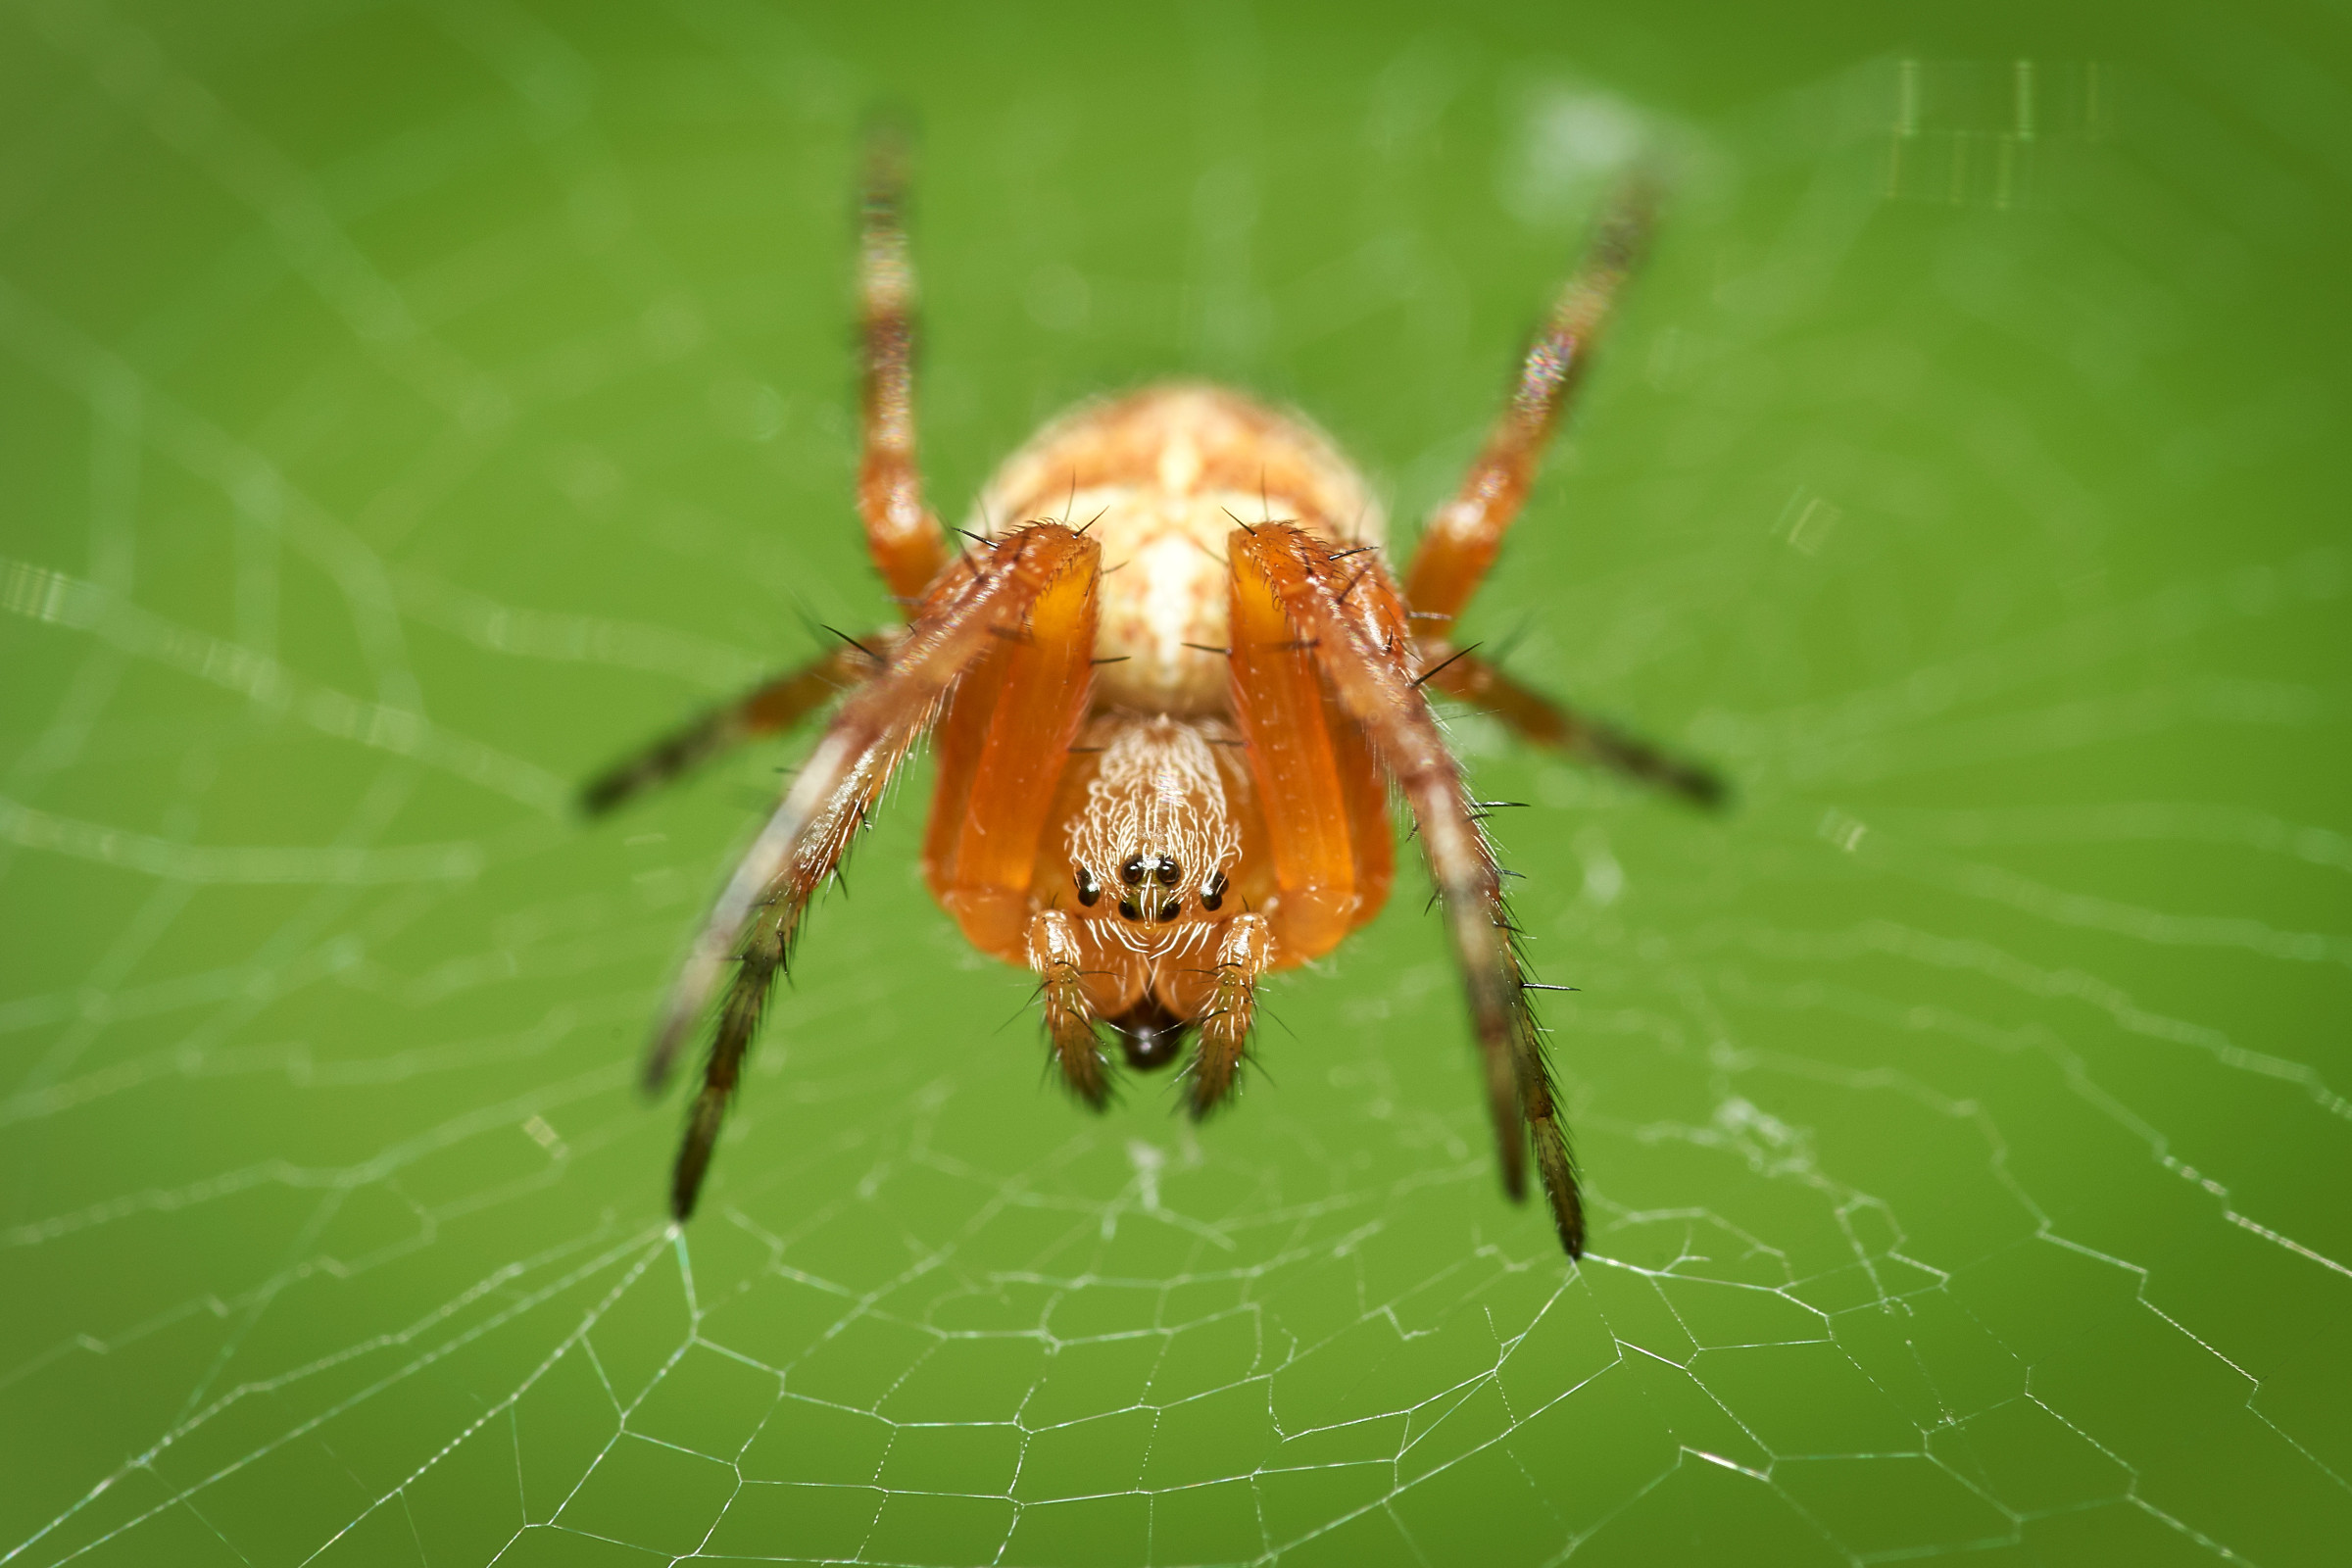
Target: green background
404, 408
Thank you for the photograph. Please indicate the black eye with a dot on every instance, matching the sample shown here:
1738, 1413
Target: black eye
1090, 891
1169, 911
1131, 871
1212, 892
1128, 910
1169, 872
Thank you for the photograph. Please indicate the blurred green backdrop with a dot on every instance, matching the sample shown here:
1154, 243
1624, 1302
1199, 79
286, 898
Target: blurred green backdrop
405, 407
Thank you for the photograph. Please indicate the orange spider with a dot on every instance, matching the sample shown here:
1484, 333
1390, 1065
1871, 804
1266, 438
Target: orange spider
1165, 738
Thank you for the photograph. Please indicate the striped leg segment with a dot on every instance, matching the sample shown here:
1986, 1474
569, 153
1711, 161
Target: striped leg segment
756, 917
1459, 545
1367, 674
770, 709
1538, 720
899, 529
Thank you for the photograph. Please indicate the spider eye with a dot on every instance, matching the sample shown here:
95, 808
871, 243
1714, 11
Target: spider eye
1131, 870
1169, 872
1128, 910
1212, 892
1090, 891
1168, 911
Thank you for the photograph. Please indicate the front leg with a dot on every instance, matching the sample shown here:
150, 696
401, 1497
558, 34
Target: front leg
1367, 675
1325, 809
756, 918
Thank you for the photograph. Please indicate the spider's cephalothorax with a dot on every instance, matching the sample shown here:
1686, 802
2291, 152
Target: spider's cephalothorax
1166, 736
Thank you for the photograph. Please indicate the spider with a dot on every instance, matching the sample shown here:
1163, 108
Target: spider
1165, 738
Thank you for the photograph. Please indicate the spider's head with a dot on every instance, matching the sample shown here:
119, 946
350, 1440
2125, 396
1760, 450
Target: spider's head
1154, 850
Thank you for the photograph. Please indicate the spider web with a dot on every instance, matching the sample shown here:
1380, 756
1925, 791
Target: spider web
407, 407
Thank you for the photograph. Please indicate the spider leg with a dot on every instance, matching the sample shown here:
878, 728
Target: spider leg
1539, 719
1459, 545
770, 709
756, 917
901, 531
1327, 830
1001, 749
1371, 683
1242, 951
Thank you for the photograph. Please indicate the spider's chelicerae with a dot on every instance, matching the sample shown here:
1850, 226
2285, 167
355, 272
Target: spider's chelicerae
1165, 735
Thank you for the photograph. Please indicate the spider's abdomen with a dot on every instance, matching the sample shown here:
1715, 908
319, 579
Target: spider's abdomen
1163, 475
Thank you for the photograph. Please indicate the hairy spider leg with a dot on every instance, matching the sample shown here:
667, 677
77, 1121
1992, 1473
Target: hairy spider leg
768, 708
1325, 809
758, 916
1542, 721
1372, 685
901, 531
1001, 749
1460, 543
